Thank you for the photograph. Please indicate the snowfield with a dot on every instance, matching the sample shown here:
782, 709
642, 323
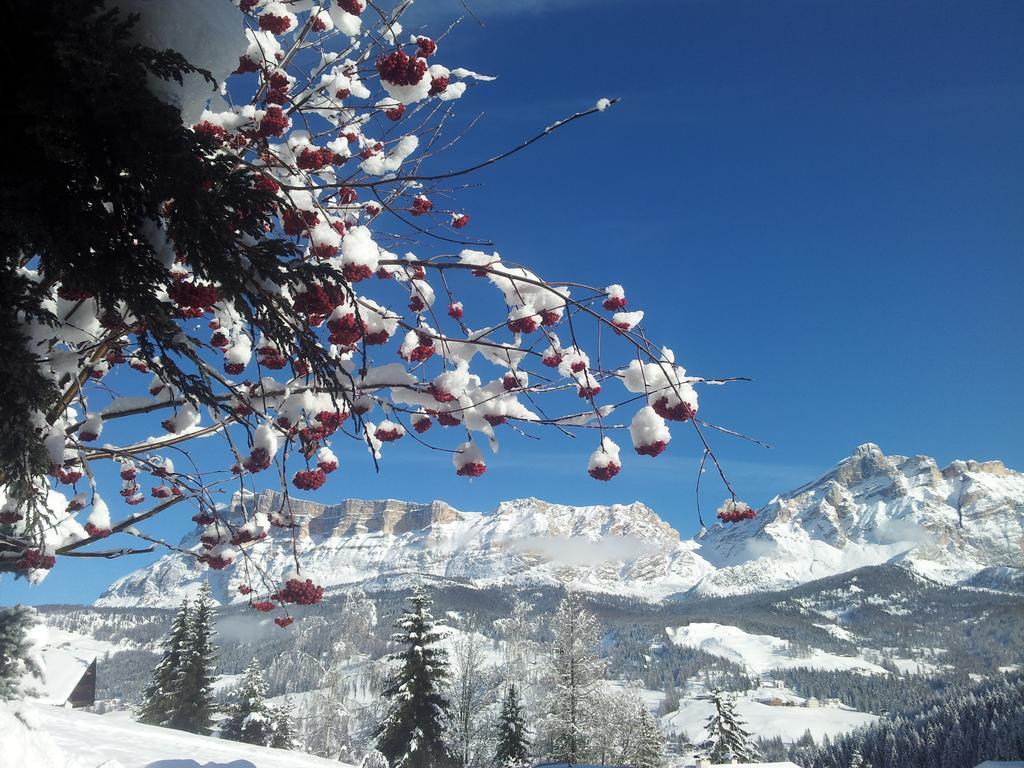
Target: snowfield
759, 653
789, 723
90, 741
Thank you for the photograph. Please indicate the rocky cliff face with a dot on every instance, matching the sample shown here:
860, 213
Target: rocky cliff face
946, 524
952, 524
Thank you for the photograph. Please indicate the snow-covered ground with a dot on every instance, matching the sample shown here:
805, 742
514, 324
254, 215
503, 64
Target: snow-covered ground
766, 721
91, 741
760, 653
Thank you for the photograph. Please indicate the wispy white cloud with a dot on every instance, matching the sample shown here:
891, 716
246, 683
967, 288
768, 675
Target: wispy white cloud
579, 550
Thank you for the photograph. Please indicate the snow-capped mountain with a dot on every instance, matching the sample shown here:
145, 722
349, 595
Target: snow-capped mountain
946, 524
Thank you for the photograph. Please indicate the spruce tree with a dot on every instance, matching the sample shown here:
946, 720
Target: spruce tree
284, 729
412, 734
17, 661
193, 705
726, 732
250, 719
513, 749
648, 742
574, 680
158, 699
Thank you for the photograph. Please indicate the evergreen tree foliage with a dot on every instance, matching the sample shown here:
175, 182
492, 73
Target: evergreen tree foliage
158, 701
726, 734
412, 733
284, 728
648, 742
574, 680
17, 660
192, 697
250, 719
958, 730
513, 750
374, 759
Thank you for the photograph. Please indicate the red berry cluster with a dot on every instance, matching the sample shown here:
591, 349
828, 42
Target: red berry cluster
274, 123
243, 536
737, 514
398, 68
193, 296
258, 460
460, 220
97, 532
421, 205
87, 437
614, 303
440, 395
526, 324
244, 589
654, 449
311, 159
606, 472
327, 466
300, 592
427, 47
309, 479
267, 184
283, 621
69, 475
345, 330
455, 311
422, 351
69, 293
552, 359
204, 518
10, 516
355, 7
681, 411
319, 25
422, 423
32, 559
448, 419
318, 301
510, 382
370, 151
354, 273
589, 393
377, 337
387, 435
347, 195
495, 421
217, 562
262, 606
247, 5
277, 25
396, 112
472, 469
299, 368
438, 85
135, 499
296, 222
213, 131
275, 361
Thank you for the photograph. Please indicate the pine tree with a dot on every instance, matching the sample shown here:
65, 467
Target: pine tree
250, 719
726, 732
513, 749
648, 742
573, 681
192, 704
284, 729
158, 698
412, 734
17, 661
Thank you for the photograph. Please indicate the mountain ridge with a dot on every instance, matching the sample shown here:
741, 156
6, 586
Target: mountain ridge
949, 525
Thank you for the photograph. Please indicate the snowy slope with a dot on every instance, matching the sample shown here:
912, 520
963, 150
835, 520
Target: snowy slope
90, 741
759, 653
766, 721
951, 525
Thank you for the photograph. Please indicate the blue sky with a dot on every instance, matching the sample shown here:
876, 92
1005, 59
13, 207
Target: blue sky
825, 196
